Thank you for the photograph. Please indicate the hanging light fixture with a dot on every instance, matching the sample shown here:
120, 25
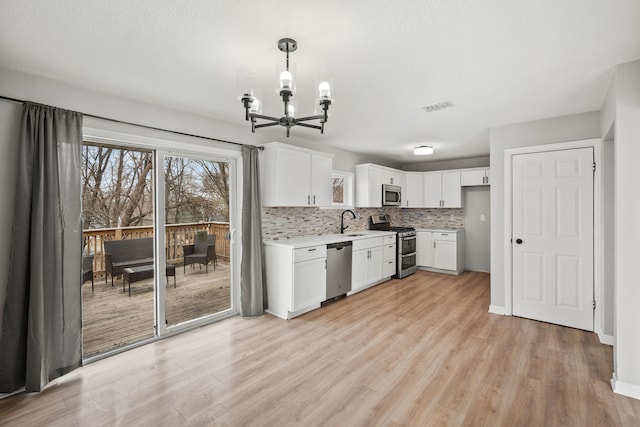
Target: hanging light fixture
423, 150
251, 98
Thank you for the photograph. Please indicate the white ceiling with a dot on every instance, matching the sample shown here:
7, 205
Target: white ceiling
497, 61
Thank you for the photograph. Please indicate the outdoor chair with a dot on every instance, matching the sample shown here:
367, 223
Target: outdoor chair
203, 251
87, 270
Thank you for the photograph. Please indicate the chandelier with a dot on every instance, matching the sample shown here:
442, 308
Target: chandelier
250, 95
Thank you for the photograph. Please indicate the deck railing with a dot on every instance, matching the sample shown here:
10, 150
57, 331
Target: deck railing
176, 235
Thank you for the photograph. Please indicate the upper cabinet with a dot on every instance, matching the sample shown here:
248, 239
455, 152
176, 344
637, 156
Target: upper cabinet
475, 177
369, 180
442, 190
294, 176
413, 190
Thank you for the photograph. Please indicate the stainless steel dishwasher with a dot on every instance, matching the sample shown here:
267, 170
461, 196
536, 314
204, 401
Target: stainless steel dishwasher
338, 269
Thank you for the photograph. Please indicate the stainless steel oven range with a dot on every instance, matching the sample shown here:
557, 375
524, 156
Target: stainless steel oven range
405, 244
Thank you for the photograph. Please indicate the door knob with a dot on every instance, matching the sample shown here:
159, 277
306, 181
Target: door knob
519, 241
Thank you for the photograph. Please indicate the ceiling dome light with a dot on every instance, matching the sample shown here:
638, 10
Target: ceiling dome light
423, 150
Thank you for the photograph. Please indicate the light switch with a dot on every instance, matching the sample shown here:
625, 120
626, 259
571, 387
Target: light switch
482, 217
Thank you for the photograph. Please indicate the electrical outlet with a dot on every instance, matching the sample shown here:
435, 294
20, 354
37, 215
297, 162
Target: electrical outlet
483, 218
451, 217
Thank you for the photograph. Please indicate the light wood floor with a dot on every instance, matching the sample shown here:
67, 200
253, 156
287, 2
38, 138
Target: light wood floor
418, 351
111, 319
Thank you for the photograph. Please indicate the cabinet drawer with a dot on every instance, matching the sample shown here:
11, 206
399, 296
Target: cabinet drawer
313, 252
451, 237
389, 239
389, 252
366, 243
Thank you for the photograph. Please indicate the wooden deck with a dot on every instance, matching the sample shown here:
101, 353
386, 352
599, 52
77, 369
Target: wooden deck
112, 319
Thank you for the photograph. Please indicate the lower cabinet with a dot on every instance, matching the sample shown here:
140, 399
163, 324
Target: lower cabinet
424, 249
366, 266
309, 283
441, 251
296, 279
389, 256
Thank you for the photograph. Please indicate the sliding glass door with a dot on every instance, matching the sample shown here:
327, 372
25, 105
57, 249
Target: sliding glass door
197, 237
118, 234
157, 243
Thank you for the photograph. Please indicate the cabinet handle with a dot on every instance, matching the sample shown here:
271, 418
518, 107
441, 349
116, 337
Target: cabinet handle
308, 200
311, 250
434, 245
314, 199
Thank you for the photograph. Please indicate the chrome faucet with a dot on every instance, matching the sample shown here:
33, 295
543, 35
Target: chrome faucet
342, 226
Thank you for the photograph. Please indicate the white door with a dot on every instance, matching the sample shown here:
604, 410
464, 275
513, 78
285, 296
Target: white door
321, 179
424, 249
553, 237
444, 255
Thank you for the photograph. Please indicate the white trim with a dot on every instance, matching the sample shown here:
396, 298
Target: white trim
497, 309
182, 143
625, 389
598, 226
606, 339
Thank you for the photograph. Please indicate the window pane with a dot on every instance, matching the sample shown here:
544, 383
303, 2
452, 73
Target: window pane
338, 190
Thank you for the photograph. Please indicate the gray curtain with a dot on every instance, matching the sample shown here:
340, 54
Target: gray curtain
41, 335
253, 283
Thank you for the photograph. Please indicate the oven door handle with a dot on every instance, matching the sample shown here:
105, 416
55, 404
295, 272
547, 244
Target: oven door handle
408, 238
406, 255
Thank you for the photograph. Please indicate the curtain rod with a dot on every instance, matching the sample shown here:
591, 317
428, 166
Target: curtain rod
21, 101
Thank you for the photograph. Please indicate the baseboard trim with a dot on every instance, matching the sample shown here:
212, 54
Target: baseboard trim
605, 339
497, 309
625, 389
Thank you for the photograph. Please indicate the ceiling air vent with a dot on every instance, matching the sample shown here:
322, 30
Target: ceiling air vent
439, 106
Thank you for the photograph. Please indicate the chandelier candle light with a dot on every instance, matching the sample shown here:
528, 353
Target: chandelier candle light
252, 100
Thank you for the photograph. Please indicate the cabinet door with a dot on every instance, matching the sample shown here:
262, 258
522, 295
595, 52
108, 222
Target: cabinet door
375, 187
424, 249
392, 177
413, 190
374, 265
444, 255
451, 190
321, 180
359, 268
432, 190
309, 283
474, 177
291, 185
389, 268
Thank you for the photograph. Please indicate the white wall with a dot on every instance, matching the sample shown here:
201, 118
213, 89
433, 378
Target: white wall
436, 165
477, 234
622, 108
539, 132
9, 132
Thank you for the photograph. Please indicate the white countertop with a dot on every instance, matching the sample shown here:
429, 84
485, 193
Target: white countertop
442, 230
325, 239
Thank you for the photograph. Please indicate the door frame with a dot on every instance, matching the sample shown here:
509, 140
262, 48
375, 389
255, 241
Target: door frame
598, 225
98, 131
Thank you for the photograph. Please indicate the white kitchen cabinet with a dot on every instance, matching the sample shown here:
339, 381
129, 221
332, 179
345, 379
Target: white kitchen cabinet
392, 177
389, 256
294, 176
440, 250
296, 279
309, 283
442, 190
366, 267
424, 249
474, 177
369, 179
413, 193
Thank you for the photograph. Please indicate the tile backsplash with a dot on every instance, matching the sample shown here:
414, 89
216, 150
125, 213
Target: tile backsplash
281, 222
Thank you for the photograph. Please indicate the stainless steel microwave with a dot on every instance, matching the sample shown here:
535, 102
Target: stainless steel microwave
391, 195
